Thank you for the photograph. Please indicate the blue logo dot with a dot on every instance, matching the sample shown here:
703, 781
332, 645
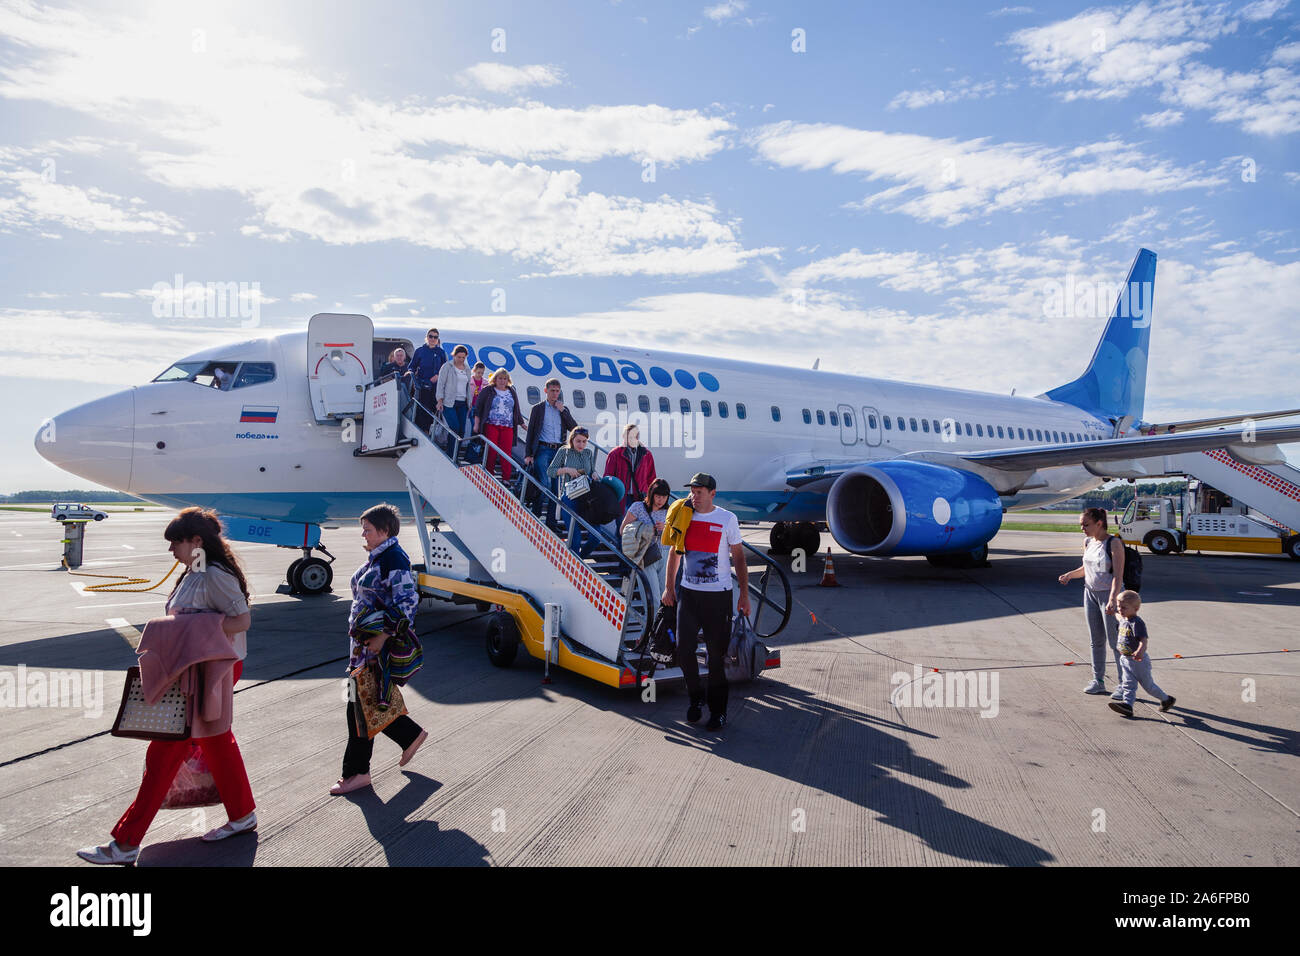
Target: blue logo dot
709, 382
685, 379
662, 378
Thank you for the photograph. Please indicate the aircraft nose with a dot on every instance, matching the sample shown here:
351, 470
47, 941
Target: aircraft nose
94, 440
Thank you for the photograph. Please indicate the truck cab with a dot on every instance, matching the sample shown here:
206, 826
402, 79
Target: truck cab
1211, 521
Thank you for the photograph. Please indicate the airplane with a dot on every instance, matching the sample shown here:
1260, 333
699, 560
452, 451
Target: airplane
264, 430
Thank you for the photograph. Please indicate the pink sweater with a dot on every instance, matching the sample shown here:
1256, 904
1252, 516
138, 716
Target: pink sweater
172, 645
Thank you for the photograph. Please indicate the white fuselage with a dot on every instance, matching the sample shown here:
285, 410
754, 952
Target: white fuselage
184, 443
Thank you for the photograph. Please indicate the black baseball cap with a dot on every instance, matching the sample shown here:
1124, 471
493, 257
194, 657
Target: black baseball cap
703, 480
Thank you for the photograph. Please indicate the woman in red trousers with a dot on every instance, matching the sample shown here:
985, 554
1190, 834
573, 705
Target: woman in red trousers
497, 415
212, 581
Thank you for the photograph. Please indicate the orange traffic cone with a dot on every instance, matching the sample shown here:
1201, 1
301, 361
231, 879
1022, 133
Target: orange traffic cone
828, 573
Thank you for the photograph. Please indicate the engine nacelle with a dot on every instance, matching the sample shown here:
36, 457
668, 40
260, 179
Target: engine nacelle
912, 507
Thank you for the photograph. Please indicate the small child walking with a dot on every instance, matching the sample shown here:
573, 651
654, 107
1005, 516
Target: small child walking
1134, 663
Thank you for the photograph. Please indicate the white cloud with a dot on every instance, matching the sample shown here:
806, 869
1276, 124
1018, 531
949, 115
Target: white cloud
963, 89
1262, 9
1162, 119
950, 181
538, 132
1109, 53
117, 295
1010, 11
29, 199
501, 78
100, 347
725, 10
311, 159
384, 304
302, 297
1290, 53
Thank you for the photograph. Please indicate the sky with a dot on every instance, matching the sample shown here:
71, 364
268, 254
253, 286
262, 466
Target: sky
898, 190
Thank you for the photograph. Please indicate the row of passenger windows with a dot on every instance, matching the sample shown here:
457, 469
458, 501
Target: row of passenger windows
822, 416
978, 430
601, 402
975, 430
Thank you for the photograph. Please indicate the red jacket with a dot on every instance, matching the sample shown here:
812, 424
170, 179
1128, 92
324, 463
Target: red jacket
618, 466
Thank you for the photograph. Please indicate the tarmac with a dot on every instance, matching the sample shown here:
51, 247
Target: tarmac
829, 760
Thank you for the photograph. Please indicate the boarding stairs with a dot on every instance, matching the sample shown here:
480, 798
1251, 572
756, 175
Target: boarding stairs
1272, 489
482, 540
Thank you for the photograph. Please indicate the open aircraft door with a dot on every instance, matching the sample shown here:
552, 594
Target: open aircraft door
338, 364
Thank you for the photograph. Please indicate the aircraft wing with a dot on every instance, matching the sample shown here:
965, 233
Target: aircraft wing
1162, 427
1026, 459
1121, 449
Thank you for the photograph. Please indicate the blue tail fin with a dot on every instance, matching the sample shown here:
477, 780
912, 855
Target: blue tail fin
1113, 385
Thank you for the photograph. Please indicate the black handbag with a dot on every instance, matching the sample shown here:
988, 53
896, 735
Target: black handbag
663, 644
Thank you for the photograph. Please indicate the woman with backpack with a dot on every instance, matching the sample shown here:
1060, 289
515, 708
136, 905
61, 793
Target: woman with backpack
1103, 578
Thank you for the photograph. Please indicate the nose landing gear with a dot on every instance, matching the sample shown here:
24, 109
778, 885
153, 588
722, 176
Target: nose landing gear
309, 574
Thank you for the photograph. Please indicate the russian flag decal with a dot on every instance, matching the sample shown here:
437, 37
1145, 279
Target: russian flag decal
260, 413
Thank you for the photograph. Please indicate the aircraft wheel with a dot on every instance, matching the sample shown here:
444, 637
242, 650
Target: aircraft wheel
290, 574
502, 639
781, 538
1161, 542
808, 537
313, 576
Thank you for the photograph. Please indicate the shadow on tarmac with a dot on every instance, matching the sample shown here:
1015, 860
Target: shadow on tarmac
418, 843
787, 732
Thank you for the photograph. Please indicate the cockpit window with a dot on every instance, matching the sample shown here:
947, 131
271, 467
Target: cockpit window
254, 373
220, 375
180, 372
217, 375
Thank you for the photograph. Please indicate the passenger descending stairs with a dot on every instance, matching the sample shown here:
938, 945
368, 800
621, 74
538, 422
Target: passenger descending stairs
516, 547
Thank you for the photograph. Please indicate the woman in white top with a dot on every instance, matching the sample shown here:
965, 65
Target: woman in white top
653, 510
453, 393
212, 581
1103, 578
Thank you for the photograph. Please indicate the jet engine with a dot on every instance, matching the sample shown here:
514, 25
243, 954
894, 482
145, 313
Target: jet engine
912, 507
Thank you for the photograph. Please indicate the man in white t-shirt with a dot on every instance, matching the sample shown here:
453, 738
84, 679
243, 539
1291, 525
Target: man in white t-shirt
712, 548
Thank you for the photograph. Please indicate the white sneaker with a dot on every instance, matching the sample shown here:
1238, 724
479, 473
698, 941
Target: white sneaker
1096, 687
246, 825
110, 854
1118, 695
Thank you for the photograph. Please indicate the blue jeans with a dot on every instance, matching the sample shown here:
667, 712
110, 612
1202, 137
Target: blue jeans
474, 452
455, 416
1103, 628
542, 458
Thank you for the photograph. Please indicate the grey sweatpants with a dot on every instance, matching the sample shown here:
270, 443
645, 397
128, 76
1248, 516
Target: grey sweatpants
1104, 629
1138, 672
